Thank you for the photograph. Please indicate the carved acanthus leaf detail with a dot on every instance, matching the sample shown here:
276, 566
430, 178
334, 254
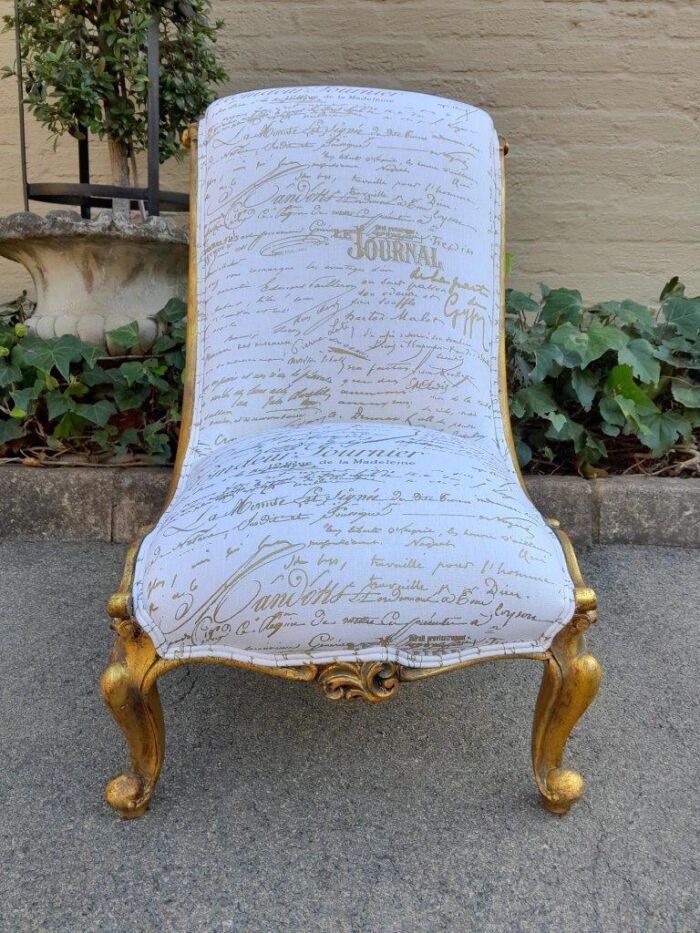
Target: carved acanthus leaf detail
354, 680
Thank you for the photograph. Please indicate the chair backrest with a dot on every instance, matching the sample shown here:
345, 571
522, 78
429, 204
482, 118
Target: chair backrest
348, 264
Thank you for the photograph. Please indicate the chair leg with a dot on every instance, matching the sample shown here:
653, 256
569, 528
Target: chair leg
129, 689
570, 682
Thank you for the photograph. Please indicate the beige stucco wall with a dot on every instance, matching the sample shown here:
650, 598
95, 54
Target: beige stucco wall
599, 100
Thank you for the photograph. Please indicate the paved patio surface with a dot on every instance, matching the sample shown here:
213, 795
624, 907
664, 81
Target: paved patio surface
279, 811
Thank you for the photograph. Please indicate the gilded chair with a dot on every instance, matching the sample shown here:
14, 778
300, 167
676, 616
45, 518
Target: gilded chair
347, 508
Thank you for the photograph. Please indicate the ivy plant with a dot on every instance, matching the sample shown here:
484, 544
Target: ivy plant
59, 398
614, 383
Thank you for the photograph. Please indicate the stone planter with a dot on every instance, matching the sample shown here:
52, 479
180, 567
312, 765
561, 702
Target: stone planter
92, 276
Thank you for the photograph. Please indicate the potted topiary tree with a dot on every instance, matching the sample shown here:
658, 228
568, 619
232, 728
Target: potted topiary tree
85, 72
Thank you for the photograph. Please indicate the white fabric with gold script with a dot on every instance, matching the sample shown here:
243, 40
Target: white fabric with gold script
348, 491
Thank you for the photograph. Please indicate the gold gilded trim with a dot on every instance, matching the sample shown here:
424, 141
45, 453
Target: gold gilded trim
129, 688
569, 685
303, 673
502, 363
190, 138
373, 681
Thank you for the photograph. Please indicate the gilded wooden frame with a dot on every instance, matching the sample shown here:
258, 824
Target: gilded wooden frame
129, 683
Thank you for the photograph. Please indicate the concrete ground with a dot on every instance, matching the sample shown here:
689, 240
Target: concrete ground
279, 811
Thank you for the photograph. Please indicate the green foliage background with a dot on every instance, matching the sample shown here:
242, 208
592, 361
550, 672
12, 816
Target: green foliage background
85, 66
611, 385
614, 386
60, 399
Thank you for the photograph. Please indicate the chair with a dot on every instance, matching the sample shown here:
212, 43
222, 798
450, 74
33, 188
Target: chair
347, 509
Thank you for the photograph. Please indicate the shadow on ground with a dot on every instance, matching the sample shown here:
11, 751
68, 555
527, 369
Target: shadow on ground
279, 811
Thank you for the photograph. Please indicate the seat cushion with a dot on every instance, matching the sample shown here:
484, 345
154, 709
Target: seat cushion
346, 542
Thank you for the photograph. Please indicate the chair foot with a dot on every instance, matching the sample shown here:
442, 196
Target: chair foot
126, 794
569, 685
562, 789
129, 689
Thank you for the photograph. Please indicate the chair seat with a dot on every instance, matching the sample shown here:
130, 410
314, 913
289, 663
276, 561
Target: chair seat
351, 542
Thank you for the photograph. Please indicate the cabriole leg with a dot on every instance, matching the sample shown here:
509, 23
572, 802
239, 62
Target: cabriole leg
129, 689
570, 682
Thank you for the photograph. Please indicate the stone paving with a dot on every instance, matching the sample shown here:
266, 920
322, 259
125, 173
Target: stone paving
279, 811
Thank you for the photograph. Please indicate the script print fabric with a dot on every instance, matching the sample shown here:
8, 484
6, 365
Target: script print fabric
354, 542
349, 264
347, 434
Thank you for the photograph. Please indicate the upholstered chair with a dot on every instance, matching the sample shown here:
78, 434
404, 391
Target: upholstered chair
347, 509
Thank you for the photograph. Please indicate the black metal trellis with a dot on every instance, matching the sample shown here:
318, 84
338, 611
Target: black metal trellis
87, 195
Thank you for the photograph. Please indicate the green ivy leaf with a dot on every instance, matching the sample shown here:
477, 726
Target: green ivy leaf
58, 404
66, 350
561, 305
630, 312
518, 302
684, 315
97, 413
548, 361
154, 373
558, 422
620, 381
131, 372
672, 287
98, 376
612, 430
156, 440
523, 451
70, 425
534, 400
11, 431
566, 429
659, 430
23, 398
125, 337
90, 354
163, 343
612, 415
639, 355
126, 398
686, 393
174, 311
35, 352
104, 437
176, 359
693, 416
9, 374
76, 388
628, 407
128, 438
594, 449
601, 338
584, 385
588, 346
572, 340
